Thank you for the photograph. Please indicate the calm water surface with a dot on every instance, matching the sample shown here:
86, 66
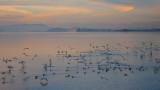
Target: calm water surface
80, 61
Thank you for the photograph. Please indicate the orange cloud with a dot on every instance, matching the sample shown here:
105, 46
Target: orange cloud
13, 9
123, 8
2, 14
36, 13
56, 12
119, 7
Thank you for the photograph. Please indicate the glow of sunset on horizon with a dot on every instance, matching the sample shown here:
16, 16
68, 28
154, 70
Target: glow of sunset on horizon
91, 12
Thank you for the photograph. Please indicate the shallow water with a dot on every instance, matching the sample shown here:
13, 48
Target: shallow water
80, 61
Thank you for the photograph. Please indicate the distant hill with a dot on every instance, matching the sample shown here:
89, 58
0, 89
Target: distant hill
116, 30
138, 30
102, 30
24, 28
56, 30
45, 28
92, 30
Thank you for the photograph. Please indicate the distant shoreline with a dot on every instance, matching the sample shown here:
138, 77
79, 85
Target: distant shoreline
74, 32
45, 28
102, 30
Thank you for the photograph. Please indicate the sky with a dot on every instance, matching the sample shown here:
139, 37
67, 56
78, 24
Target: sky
81, 13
